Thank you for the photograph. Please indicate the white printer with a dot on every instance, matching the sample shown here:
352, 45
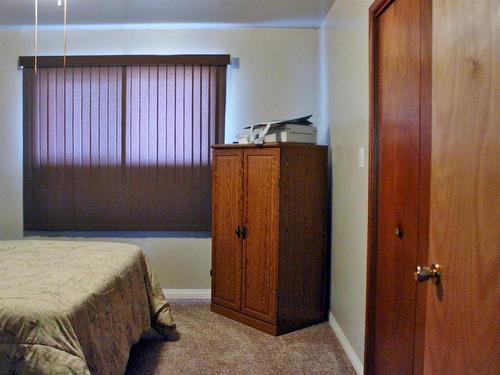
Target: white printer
298, 130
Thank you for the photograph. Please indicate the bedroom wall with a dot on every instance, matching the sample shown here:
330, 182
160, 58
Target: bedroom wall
344, 62
277, 76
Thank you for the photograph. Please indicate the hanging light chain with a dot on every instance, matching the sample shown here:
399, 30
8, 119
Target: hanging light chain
36, 36
65, 30
65, 33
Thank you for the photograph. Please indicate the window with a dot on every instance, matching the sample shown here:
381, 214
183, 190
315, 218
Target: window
121, 143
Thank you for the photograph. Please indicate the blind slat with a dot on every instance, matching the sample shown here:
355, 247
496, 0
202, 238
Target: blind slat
111, 148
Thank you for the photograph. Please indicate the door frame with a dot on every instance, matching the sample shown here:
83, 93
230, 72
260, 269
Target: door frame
375, 10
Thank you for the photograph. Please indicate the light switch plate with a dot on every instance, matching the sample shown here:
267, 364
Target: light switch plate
361, 157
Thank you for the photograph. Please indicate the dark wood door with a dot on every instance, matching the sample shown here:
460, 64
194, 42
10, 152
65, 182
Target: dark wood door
396, 183
260, 247
455, 321
462, 333
227, 208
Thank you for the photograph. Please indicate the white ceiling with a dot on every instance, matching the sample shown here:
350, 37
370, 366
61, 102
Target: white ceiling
240, 13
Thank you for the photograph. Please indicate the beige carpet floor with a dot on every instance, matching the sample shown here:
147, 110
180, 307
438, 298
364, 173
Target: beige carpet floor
213, 344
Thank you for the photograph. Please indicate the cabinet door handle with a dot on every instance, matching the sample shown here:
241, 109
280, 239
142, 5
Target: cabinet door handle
244, 233
238, 232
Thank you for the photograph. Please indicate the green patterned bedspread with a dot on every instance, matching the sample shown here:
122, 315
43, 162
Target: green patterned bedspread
75, 307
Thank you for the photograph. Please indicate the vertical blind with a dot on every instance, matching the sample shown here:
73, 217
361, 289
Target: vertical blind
121, 147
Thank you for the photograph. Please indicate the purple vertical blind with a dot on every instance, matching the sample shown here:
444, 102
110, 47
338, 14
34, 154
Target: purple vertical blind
121, 148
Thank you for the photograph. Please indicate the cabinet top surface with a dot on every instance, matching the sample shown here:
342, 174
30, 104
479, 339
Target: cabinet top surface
267, 145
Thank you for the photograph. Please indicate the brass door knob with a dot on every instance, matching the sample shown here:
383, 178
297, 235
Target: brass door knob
425, 273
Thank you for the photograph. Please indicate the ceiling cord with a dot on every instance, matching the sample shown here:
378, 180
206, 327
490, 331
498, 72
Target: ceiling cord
36, 36
65, 30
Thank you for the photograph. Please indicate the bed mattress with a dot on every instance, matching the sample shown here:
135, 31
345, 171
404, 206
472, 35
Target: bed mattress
75, 307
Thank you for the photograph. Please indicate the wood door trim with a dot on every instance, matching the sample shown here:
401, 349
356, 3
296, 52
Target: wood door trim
375, 10
425, 177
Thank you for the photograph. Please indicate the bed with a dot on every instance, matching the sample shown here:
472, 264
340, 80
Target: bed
75, 307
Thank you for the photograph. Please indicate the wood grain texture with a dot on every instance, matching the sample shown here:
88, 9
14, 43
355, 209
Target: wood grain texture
227, 209
279, 145
399, 150
398, 93
260, 248
463, 328
285, 259
425, 176
302, 289
272, 329
371, 256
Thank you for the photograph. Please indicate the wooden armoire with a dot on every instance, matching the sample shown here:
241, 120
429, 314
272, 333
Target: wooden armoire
269, 226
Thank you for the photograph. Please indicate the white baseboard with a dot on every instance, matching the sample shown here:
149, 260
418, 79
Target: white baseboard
187, 293
351, 354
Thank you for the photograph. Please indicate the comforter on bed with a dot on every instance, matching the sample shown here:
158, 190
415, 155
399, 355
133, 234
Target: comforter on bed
75, 307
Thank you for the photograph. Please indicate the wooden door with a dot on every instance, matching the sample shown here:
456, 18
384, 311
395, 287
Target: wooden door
462, 333
395, 186
227, 209
260, 247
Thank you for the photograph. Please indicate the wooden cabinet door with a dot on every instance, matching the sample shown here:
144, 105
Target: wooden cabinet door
261, 207
227, 208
